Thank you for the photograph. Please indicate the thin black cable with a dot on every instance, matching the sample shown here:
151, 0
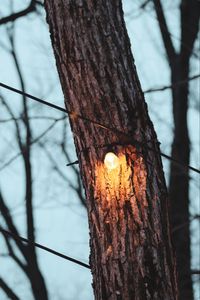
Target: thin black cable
32, 97
75, 115
138, 144
16, 237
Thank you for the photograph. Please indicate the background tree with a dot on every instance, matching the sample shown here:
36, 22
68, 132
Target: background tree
179, 64
30, 265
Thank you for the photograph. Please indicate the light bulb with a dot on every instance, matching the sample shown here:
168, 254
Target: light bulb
111, 161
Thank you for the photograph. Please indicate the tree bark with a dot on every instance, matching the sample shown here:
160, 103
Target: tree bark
131, 254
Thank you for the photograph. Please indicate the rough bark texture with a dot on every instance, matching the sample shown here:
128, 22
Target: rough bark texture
179, 178
131, 255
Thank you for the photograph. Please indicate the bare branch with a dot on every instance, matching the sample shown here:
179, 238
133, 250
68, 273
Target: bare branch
185, 223
12, 253
9, 222
144, 4
190, 14
53, 161
8, 291
164, 31
163, 88
50, 250
11, 18
31, 269
24, 146
77, 189
195, 272
6, 164
9, 110
30, 118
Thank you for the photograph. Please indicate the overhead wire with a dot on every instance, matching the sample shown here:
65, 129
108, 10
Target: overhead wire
45, 248
73, 114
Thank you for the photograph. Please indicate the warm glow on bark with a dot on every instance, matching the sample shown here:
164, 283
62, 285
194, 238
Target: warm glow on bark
124, 182
121, 201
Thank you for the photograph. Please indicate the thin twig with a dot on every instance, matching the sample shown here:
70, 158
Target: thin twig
172, 86
32, 143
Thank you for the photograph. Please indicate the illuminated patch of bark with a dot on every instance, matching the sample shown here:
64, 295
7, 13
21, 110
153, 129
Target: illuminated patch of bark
120, 196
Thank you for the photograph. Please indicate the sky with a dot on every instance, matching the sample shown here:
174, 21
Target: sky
61, 222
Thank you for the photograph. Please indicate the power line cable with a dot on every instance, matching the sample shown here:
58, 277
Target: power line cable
75, 115
19, 238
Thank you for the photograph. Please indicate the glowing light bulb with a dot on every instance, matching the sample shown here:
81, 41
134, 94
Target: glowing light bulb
111, 161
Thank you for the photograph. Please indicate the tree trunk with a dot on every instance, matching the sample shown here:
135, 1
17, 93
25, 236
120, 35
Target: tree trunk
131, 254
179, 178
37, 281
179, 183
